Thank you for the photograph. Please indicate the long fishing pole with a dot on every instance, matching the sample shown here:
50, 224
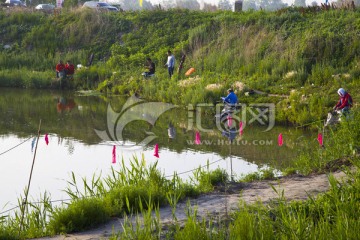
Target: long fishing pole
28, 187
231, 167
309, 123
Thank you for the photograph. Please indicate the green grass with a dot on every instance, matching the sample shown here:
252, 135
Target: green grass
332, 214
81, 214
263, 174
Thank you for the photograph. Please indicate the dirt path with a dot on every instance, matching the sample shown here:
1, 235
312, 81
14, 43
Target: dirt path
218, 202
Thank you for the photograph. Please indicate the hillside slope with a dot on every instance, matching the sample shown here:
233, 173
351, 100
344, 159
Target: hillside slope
299, 53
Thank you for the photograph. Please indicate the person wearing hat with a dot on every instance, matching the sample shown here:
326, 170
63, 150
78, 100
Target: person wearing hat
231, 98
345, 102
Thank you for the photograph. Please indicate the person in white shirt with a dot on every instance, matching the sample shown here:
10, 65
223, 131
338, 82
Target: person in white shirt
170, 63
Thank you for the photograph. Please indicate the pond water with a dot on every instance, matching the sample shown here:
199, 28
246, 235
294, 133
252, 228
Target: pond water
82, 130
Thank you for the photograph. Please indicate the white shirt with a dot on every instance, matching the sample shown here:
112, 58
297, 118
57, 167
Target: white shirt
170, 61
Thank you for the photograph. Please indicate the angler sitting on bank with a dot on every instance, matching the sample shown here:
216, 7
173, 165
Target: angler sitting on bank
64, 74
345, 102
60, 69
342, 108
151, 68
69, 69
230, 106
231, 98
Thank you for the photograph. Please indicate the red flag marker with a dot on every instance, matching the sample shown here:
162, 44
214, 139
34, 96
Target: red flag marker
229, 118
156, 150
197, 138
320, 139
241, 128
280, 140
114, 154
46, 139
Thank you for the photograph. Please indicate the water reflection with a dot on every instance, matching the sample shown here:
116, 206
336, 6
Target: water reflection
64, 104
70, 119
81, 114
133, 111
230, 134
171, 131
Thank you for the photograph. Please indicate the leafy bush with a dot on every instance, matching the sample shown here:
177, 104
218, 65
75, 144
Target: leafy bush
263, 174
79, 215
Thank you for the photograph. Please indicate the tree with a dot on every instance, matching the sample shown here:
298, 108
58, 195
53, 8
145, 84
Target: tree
132, 4
300, 3
271, 5
167, 4
70, 3
249, 4
225, 5
189, 4
209, 7
278, 4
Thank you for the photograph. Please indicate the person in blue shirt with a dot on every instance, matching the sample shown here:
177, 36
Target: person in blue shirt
231, 98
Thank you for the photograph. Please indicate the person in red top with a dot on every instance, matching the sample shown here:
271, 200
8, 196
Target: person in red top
345, 102
60, 69
69, 68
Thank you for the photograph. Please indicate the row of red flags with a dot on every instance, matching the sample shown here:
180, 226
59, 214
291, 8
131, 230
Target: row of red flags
197, 141
319, 139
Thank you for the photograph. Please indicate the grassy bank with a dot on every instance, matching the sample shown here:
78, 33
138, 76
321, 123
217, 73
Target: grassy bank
304, 55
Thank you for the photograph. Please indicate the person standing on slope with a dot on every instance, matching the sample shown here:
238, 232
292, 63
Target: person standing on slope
170, 63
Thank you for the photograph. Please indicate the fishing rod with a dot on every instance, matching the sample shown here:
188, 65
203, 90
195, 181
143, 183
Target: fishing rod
28, 187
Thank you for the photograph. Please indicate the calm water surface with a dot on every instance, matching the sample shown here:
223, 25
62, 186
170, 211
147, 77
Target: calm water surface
70, 120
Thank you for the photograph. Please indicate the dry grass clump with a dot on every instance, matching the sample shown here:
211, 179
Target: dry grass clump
189, 82
290, 74
239, 86
213, 86
341, 75
346, 75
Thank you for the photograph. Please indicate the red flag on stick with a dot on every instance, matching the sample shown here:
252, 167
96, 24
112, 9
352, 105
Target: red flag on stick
114, 154
280, 140
241, 128
197, 138
156, 150
46, 139
320, 139
229, 119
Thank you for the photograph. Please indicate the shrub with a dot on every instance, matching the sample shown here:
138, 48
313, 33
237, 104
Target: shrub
79, 215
